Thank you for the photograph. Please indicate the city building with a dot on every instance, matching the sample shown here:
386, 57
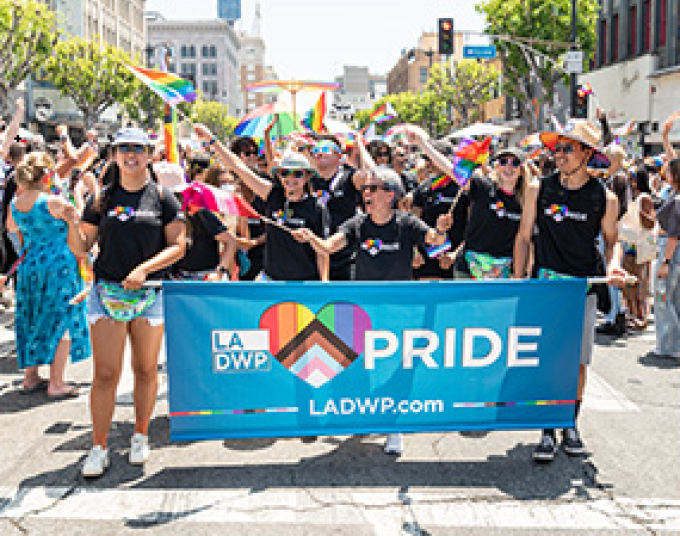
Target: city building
203, 51
636, 68
119, 23
229, 10
359, 90
252, 70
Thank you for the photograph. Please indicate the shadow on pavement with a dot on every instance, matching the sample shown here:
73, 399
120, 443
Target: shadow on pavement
12, 400
651, 359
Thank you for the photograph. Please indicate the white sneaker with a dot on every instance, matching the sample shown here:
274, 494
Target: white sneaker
139, 449
96, 462
394, 444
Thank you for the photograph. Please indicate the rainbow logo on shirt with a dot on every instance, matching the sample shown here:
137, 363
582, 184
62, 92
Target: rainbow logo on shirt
281, 216
499, 207
322, 195
372, 246
558, 212
123, 213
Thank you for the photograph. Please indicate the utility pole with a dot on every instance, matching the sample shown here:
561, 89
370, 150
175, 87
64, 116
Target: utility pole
572, 76
430, 55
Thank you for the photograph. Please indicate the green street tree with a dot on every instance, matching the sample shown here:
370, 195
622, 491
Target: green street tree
27, 36
214, 115
472, 85
527, 75
410, 107
94, 76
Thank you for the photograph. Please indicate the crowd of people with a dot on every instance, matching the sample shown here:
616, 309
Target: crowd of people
328, 211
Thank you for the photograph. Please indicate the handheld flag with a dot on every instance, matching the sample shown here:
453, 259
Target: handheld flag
315, 117
172, 89
197, 196
468, 156
625, 129
170, 135
385, 112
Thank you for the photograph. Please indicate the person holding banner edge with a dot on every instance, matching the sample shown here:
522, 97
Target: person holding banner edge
141, 232
382, 239
570, 208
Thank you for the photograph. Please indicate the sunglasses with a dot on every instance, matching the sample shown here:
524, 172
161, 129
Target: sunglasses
373, 188
137, 149
324, 149
296, 173
566, 148
512, 161
383, 155
249, 153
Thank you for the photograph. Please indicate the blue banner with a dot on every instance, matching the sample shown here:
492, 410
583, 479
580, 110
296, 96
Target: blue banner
294, 359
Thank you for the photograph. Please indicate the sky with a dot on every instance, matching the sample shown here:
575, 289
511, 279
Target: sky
313, 39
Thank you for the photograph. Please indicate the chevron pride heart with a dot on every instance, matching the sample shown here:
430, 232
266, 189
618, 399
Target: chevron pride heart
316, 348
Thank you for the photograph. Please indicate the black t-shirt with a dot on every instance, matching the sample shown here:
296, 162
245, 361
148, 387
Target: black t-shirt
434, 203
132, 230
568, 223
408, 181
203, 250
286, 259
384, 252
256, 254
493, 222
342, 200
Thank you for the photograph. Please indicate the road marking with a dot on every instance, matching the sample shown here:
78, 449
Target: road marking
384, 510
600, 396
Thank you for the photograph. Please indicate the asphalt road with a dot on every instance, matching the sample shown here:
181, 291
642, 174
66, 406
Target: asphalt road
451, 483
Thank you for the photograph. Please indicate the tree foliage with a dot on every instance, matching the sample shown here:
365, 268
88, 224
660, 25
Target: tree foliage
547, 21
28, 35
472, 85
215, 115
94, 76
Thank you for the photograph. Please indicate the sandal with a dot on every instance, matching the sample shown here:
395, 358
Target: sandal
38, 387
73, 392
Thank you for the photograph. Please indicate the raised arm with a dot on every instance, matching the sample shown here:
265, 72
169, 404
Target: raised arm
417, 136
12, 129
327, 246
665, 136
261, 187
520, 258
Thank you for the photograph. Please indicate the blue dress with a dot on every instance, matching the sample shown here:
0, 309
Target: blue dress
47, 279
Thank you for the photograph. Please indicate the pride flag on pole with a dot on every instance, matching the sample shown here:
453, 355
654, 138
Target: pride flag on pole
172, 89
170, 134
384, 113
315, 117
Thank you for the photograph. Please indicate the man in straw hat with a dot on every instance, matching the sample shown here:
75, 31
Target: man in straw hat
570, 209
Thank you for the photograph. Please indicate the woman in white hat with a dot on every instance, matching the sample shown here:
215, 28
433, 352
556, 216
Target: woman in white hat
290, 206
570, 209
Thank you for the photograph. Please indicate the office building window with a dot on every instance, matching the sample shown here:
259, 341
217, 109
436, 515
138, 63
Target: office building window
632, 31
423, 75
205, 51
615, 37
184, 52
213, 51
251, 78
209, 69
189, 68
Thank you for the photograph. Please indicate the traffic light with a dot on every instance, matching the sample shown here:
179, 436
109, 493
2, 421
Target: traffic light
581, 111
445, 27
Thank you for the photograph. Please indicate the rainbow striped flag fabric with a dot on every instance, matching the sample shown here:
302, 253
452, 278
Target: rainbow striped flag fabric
172, 89
385, 112
315, 117
170, 134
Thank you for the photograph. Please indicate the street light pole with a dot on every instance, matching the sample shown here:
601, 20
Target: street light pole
430, 53
572, 76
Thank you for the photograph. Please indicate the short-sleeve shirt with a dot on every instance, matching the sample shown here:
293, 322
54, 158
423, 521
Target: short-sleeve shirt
669, 216
203, 249
342, 200
493, 222
132, 229
384, 252
286, 259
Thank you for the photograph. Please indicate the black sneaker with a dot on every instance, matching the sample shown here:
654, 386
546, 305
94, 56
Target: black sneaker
611, 329
571, 442
546, 449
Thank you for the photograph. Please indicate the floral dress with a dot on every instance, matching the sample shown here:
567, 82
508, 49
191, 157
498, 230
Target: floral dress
47, 279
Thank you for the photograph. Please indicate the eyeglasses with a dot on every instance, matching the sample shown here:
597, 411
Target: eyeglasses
324, 149
246, 154
566, 148
137, 149
383, 155
399, 155
296, 173
373, 188
512, 161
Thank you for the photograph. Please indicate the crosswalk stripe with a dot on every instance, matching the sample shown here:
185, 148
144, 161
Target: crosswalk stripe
601, 396
384, 510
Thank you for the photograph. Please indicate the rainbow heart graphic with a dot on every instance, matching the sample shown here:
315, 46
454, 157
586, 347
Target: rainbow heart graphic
316, 348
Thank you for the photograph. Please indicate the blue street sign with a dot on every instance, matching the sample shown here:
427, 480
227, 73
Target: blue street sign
479, 51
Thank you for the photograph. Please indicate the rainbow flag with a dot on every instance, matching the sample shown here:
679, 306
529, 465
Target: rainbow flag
315, 117
385, 112
440, 182
584, 90
625, 129
469, 154
172, 89
435, 251
170, 135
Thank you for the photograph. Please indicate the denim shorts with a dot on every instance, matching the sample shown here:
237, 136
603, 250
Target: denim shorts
95, 309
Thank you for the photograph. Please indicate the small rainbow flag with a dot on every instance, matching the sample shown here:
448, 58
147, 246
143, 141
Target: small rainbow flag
172, 89
474, 151
315, 117
440, 182
585, 90
170, 134
385, 112
435, 251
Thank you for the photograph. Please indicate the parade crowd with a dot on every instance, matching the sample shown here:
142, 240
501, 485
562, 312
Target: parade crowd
89, 231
